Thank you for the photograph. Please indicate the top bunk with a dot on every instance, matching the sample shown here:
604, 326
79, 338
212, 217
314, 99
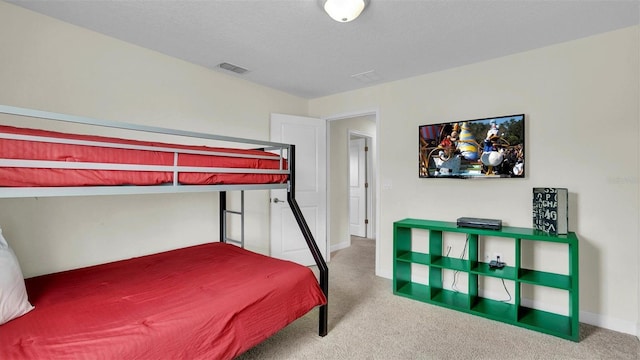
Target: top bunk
40, 163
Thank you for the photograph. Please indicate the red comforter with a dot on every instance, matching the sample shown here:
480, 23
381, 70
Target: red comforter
211, 301
36, 150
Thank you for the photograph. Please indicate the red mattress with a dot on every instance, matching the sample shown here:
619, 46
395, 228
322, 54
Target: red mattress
211, 301
36, 150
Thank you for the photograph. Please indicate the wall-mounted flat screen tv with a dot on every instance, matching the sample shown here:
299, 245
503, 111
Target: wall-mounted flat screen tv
481, 148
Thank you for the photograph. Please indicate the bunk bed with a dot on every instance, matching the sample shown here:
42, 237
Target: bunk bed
212, 300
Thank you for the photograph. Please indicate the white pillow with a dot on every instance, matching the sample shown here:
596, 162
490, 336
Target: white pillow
13, 295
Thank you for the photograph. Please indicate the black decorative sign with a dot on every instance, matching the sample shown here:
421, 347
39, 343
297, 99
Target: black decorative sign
550, 210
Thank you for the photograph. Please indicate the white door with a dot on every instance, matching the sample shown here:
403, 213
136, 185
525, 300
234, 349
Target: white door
357, 188
309, 136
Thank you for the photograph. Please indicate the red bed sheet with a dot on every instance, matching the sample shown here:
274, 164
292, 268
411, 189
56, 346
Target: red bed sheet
211, 301
36, 150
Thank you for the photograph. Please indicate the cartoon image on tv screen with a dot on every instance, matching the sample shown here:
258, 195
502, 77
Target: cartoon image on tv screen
482, 148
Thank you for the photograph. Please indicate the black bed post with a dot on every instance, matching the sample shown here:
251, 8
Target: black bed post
222, 202
308, 236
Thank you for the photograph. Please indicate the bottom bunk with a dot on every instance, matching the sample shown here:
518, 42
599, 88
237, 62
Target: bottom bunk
212, 301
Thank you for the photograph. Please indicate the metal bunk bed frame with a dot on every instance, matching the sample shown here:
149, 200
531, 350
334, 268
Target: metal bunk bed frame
21, 192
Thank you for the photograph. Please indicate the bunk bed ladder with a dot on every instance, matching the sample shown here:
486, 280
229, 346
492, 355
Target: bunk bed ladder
223, 219
306, 233
311, 243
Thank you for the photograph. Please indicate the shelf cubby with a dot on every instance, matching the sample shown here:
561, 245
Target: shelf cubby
507, 272
450, 299
414, 290
414, 257
494, 309
478, 271
545, 279
449, 263
547, 322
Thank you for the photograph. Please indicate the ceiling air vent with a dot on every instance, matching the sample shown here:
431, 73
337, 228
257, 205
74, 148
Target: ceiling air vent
236, 69
367, 76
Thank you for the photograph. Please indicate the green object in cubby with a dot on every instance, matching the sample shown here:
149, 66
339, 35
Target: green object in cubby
564, 326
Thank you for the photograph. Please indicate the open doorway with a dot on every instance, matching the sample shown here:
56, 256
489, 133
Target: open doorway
343, 133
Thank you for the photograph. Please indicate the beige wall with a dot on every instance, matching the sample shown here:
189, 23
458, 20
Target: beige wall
338, 182
49, 65
581, 102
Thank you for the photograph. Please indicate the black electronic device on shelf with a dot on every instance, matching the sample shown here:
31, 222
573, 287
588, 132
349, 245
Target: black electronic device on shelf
479, 223
496, 264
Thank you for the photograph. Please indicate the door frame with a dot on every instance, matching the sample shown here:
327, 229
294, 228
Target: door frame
375, 172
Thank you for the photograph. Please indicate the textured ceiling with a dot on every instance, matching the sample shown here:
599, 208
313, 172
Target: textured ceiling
293, 46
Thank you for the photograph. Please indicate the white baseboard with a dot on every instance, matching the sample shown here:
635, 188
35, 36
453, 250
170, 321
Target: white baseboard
384, 274
340, 246
623, 326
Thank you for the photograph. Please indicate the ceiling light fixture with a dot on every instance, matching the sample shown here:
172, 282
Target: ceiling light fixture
344, 10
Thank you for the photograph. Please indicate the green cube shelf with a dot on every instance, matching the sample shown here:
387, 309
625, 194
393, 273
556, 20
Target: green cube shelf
564, 326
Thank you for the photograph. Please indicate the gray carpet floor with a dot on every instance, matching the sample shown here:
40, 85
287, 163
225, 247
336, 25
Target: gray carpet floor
366, 321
